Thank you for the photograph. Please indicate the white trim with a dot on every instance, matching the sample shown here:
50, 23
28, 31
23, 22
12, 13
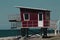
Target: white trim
28, 17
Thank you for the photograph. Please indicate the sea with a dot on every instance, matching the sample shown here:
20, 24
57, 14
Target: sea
17, 32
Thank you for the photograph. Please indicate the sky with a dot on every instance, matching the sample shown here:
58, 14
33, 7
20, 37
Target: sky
7, 7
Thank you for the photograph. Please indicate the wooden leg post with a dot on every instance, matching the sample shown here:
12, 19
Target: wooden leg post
44, 32
24, 32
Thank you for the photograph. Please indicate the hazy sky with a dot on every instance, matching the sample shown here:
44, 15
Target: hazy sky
7, 8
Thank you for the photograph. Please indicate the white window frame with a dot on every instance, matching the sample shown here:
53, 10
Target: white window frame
28, 17
42, 16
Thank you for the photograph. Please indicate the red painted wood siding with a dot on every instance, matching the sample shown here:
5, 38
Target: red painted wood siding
46, 22
33, 22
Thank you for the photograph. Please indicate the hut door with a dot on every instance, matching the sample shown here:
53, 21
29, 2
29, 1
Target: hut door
40, 20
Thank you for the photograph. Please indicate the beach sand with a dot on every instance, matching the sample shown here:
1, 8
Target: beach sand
50, 37
55, 37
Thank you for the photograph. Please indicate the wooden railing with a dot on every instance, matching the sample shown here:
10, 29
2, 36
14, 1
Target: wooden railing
14, 17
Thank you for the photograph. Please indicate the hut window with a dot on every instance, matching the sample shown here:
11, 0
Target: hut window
40, 18
47, 16
26, 16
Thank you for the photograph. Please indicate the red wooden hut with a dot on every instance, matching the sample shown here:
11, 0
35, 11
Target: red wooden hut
34, 17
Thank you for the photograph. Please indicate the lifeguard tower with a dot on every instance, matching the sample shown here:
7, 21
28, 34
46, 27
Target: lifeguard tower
31, 18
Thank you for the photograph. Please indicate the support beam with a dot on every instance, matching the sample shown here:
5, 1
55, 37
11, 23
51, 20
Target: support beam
24, 32
44, 32
55, 32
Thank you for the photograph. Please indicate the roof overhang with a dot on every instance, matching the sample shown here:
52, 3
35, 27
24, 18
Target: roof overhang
32, 8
